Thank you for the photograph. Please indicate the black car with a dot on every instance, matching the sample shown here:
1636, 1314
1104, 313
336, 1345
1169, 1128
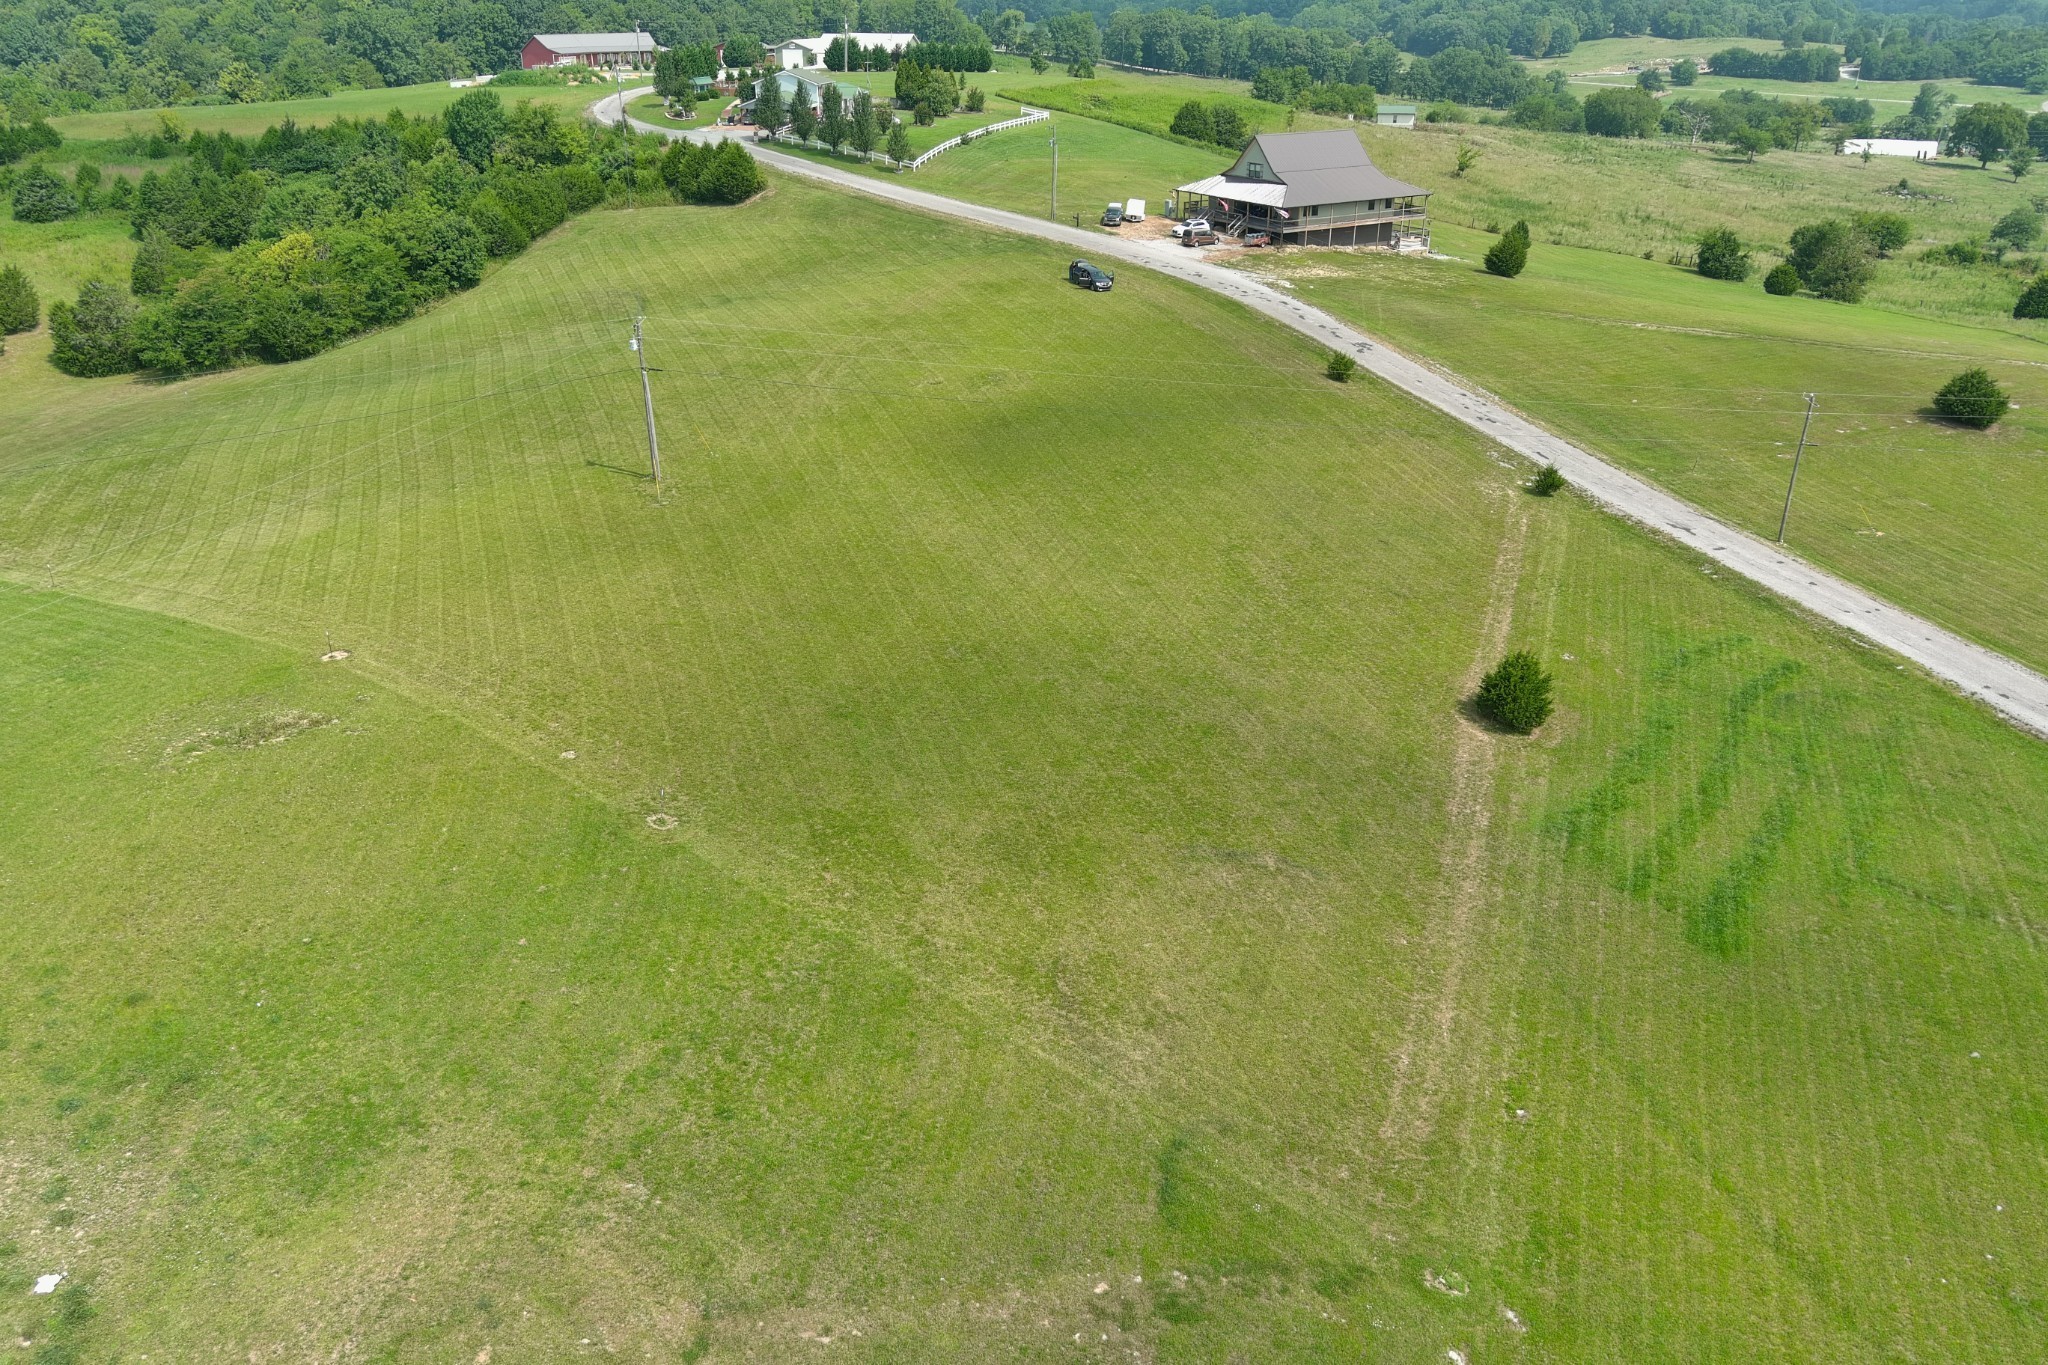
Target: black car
1090, 276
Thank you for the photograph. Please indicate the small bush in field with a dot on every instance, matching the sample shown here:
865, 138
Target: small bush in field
1516, 694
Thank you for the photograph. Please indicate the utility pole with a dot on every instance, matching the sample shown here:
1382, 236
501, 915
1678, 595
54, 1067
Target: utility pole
647, 396
1055, 214
1793, 483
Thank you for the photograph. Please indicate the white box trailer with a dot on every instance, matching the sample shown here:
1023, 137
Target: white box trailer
1134, 211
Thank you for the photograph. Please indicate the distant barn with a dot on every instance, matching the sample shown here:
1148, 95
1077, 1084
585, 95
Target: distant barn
1311, 189
589, 49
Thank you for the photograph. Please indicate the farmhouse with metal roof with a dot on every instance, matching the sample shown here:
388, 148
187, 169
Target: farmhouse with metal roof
1311, 189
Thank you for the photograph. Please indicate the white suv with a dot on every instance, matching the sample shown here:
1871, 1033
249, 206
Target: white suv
1191, 225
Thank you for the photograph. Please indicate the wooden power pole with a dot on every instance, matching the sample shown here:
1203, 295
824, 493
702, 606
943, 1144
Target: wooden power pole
647, 397
1793, 483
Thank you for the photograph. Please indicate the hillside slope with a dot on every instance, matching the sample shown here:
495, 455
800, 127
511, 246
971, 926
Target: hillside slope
1083, 872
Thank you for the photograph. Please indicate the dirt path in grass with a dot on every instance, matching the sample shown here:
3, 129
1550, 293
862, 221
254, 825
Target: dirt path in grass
2007, 686
1422, 1063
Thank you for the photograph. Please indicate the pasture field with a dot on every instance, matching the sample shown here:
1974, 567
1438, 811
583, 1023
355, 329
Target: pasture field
1890, 97
1613, 195
1617, 54
1084, 923
1098, 162
1697, 383
1148, 103
247, 120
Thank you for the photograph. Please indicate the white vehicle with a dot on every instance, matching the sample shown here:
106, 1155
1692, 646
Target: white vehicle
1192, 225
1134, 211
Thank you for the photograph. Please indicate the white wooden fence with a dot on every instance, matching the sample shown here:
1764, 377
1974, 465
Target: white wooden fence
1030, 115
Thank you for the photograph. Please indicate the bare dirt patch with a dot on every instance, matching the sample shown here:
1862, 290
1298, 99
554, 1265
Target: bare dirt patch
252, 733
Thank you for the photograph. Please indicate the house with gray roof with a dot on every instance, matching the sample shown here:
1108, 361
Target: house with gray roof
1311, 189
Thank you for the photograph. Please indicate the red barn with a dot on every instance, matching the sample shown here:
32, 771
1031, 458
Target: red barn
634, 49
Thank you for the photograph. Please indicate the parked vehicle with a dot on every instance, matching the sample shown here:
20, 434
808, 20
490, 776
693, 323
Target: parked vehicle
1113, 216
1258, 239
1090, 277
1181, 230
1202, 238
1134, 211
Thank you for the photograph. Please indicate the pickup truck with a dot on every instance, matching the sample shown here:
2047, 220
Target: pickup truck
1113, 216
1202, 238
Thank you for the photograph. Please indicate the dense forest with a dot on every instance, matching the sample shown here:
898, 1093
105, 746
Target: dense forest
58, 56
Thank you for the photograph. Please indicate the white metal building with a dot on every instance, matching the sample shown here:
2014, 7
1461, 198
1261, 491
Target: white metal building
1891, 146
804, 53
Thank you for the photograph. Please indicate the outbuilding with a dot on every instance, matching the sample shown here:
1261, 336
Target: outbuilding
1891, 146
1311, 189
797, 54
636, 50
1395, 116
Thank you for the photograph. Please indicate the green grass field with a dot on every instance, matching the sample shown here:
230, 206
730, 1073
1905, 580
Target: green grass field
1098, 162
1891, 98
650, 108
1089, 926
247, 120
1697, 384
1144, 102
1620, 196
1630, 197
1616, 54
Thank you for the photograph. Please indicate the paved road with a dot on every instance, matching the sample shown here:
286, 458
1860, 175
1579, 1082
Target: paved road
2009, 687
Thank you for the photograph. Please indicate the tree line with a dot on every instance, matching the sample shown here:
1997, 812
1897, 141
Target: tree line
277, 247
63, 56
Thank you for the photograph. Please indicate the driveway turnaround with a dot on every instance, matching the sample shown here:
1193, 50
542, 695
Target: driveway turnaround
2009, 687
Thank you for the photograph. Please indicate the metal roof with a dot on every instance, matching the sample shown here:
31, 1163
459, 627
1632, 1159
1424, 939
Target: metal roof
1325, 167
892, 41
580, 44
1246, 191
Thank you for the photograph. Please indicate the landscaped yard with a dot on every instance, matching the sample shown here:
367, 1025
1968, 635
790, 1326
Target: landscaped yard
993, 857
653, 109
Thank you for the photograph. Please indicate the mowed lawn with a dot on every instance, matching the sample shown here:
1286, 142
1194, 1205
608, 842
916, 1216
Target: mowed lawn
1698, 384
1084, 922
248, 120
1098, 162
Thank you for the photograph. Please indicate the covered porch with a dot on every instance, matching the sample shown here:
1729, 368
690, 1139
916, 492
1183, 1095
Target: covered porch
1237, 207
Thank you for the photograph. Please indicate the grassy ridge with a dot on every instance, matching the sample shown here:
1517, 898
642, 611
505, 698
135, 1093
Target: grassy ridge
247, 120
1083, 875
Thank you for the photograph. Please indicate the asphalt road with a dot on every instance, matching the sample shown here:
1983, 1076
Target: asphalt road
2012, 689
